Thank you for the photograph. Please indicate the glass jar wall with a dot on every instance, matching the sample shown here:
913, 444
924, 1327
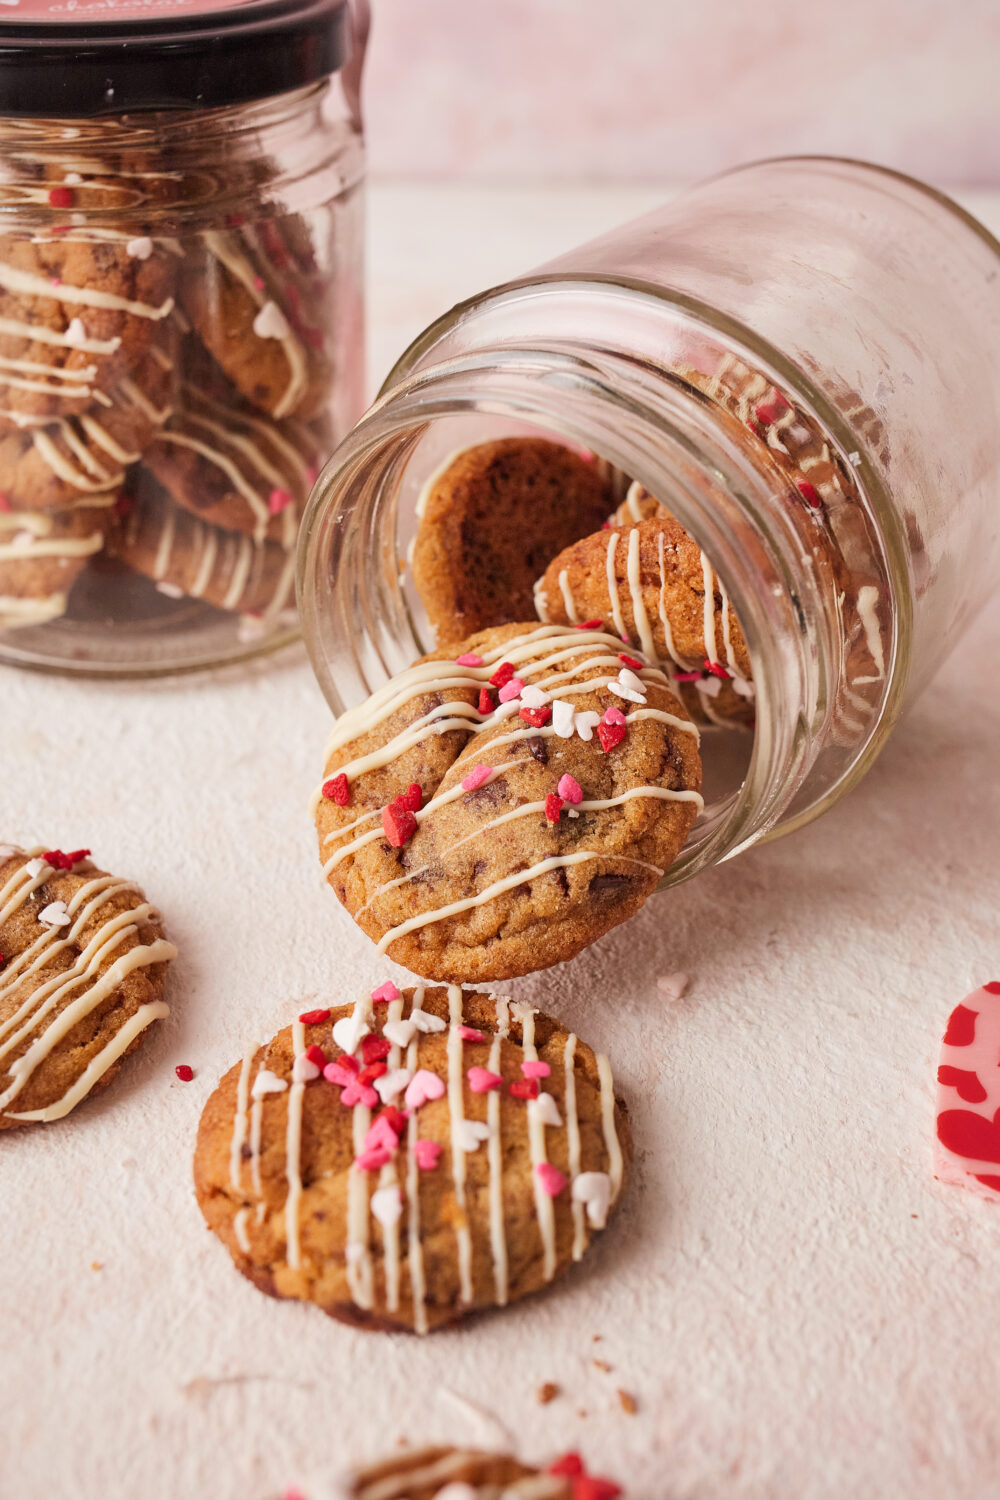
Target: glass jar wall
181, 347
779, 358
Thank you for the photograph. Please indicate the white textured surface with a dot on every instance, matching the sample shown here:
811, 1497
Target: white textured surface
801, 1312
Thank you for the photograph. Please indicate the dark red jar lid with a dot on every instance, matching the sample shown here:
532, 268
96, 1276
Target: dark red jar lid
81, 58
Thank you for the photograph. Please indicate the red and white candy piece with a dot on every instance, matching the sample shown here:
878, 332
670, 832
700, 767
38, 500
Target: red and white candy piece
968, 1097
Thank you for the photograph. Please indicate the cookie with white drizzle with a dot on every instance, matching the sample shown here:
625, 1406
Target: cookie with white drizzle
258, 305
230, 465
75, 458
491, 811
652, 582
77, 316
82, 973
463, 1474
412, 1158
185, 556
43, 552
489, 520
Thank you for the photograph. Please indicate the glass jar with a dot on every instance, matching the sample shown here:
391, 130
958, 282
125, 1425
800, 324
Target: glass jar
798, 359
181, 331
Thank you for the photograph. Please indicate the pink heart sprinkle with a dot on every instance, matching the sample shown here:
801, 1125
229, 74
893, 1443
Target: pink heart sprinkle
476, 777
279, 500
385, 992
551, 1179
533, 1069
481, 1080
511, 689
427, 1153
469, 659
358, 1093
370, 1161
381, 1137
470, 1034
614, 716
340, 1072
570, 789
422, 1088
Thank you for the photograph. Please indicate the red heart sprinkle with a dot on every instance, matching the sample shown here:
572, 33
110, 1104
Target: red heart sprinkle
717, 670
808, 492
590, 625
587, 1487
553, 808
374, 1048
486, 704
611, 735
394, 1118
60, 861
184, 1072
412, 799
536, 717
630, 661
314, 1017
503, 674
373, 1071
570, 1464
61, 197
399, 824
337, 790
524, 1088
5, 505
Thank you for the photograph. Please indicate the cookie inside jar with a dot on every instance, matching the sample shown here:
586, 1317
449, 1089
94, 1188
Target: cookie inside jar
180, 342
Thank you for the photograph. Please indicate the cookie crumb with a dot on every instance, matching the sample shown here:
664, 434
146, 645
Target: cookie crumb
603, 1366
547, 1392
628, 1403
97, 1265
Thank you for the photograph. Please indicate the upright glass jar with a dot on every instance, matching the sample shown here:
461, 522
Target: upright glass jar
798, 359
181, 333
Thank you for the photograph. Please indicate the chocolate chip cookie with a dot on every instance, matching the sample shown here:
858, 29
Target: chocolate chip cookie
461, 1474
494, 809
412, 1159
82, 974
43, 552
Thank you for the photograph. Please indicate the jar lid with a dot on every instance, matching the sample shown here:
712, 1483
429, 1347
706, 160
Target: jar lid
80, 58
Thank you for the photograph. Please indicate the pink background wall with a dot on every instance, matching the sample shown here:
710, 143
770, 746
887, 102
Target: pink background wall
665, 90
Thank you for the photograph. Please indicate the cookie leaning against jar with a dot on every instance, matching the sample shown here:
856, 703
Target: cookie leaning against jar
82, 973
42, 553
412, 1159
655, 586
495, 808
461, 1474
490, 519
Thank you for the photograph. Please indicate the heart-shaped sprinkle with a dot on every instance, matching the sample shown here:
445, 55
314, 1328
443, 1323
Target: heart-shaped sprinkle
349, 1030
317, 1055
469, 659
279, 500
54, 915
628, 693
524, 1088
510, 690
613, 715
610, 735
533, 697
586, 723
470, 1034
342, 1071
75, 334
562, 718
553, 808
742, 688
533, 1067
356, 1093
141, 248
423, 1087
371, 1161
385, 992
569, 788
481, 1080
400, 1033
503, 674
593, 1190
304, 1070
426, 1021
267, 1082
387, 1206
34, 867
399, 824
381, 1135
476, 777
459, 1490
392, 1084
314, 1017
428, 1154
470, 1134
374, 1049
545, 1110
550, 1179
271, 323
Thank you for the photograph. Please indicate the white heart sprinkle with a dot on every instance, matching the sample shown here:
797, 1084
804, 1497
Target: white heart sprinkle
709, 687
6, 850
170, 590
392, 1084
54, 915
23, 540
672, 985
854, 459
533, 697
349, 1030
562, 718
628, 679
593, 1189
424, 1021
586, 723
72, 179
742, 688
267, 1082
572, 812
304, 1070
271, 323
629, 694
387, 1205
459, 1490
34, 867
470, 1134
76, 333
399, 1033
545, 1110
140, 249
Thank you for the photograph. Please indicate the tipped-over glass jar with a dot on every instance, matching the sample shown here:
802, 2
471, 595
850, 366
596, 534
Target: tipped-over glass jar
799, 360
180, 320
